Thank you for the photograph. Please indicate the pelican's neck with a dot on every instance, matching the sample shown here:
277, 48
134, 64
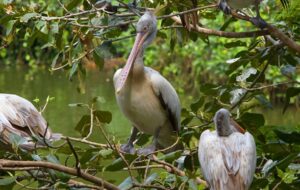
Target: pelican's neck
138, 67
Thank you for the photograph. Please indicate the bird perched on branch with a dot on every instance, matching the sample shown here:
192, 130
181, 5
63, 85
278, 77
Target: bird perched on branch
19, 117
145, 97
227, 155
227, 5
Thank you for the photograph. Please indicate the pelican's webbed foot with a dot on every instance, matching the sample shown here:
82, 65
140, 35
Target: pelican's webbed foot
127, 148
259, 22
146, 151
224, 7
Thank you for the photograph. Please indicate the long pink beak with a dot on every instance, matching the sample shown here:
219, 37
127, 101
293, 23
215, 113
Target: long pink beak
139, 40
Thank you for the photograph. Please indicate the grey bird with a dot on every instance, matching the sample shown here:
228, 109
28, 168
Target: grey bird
227, 155
226, 5
144, 96
19, 117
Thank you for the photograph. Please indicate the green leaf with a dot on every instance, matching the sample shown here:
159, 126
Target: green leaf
9, 27
7, 180
151, 178
119, 164
235, 44
126, 184
51, 158
103, 116
196, 105
72, 4
288, 177
246, 74
99, 60
73, 69
170, 157
54, 28
54, 61
289, 137
25, 18
42, 26
83, 125
105, 152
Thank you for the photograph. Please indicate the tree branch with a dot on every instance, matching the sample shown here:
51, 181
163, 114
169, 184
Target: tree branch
222, 33
98, 181
273, 31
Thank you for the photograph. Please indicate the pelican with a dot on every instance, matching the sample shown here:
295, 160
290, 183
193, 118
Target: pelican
145, 97
19, 117
226, 5
227, 156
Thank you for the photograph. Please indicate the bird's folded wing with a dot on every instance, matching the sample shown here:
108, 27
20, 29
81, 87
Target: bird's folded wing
167, 95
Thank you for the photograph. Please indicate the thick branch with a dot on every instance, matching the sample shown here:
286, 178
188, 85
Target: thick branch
273, 31
98, 181
222, 33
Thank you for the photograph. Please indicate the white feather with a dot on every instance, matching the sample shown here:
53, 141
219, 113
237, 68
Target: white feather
220, 157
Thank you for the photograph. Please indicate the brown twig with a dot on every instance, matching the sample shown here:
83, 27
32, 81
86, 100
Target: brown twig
77, 162
87, 142
43, 164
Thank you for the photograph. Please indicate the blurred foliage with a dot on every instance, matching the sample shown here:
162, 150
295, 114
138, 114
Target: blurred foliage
239, 74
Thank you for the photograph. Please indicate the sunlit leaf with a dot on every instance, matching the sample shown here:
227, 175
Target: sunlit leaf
246, 74
126, 184
25, 18
151, 178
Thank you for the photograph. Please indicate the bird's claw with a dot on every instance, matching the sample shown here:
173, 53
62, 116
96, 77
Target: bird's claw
127, 148
259, 22
146, 151
224, 7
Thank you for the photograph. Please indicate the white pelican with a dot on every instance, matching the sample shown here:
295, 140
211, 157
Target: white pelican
226, 5
145, 97
19, 117
227, 156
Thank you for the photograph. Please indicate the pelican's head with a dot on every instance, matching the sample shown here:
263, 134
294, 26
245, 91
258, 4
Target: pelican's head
222, 122
146, 31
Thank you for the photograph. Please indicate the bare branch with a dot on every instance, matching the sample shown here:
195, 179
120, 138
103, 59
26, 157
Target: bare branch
222, 33
96, 180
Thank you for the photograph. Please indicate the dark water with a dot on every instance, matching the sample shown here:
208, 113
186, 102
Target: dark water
38, 84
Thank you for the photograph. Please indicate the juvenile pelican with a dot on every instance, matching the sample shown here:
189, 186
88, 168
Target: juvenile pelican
145, 97
19, 117
227, 156
226, 5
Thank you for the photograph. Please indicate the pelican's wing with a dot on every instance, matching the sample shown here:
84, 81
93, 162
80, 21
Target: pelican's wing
167, 96
227, 162
248, 159
211, 160
19, 116
239, 156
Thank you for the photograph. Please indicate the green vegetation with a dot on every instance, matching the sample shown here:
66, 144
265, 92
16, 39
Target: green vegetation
245, 75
